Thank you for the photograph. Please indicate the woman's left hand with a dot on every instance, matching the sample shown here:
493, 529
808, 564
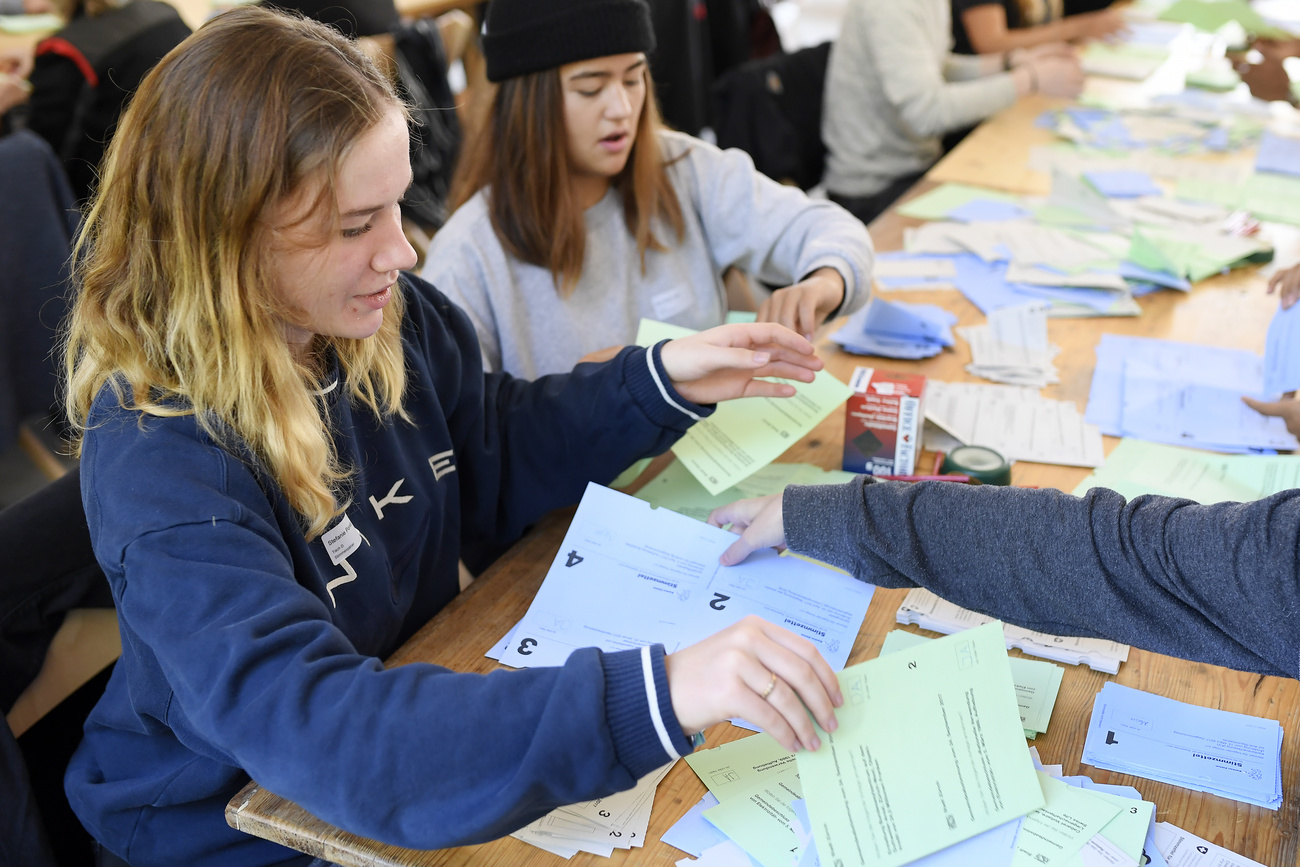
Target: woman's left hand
725, 362
805, 305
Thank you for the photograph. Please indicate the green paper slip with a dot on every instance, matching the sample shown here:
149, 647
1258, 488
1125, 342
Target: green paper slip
1210, 15
1136, 467
1037, 683
1267, 196
745, 435
1123, 835
1053, 834
758, 819
26, 24
679, 491
734, 768
735, 317
929, 752
945, 198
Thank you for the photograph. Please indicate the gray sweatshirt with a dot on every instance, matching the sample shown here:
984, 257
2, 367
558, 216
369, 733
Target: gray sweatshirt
1214, 584
733, 216
894, 89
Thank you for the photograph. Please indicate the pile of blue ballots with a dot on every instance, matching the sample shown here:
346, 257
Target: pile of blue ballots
1187, 394
895, 329
1227, 754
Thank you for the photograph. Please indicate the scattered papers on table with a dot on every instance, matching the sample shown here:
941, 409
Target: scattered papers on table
875, 799
1164, 128
618, 821
1013, 347
1037, 683
1182, 849
894, 329
1282, 352
1014, 421
1127, 61
676, 489
1135, 467
1201, 748
629, 575
743, 436
928, 611
940, 202
1210, 15
1181, 394
1267, 196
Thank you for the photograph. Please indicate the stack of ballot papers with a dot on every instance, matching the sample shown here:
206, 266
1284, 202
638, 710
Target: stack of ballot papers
1016, 422
1209, 750
1178, 848
928, 611
1167, 127
600, 826
629, 575
1037, 683
1013, 347
896, 270
743, 436
1182, 394
894, 329
1135, 467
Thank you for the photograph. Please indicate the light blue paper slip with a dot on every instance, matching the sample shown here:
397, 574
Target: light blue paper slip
895, 329
1282, 352
1227, 754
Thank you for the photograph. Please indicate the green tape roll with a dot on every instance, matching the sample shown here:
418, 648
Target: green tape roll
979, 463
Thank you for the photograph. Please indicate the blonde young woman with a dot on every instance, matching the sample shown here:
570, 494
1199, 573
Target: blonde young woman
287, 444
579, 215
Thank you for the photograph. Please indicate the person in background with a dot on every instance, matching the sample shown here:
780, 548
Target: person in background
287, 444
1215, 584
85, 73
894, 89
996, 26
578, 214
1286, 283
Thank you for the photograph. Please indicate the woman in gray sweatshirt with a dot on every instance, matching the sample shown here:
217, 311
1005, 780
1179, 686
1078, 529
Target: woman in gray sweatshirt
580, 215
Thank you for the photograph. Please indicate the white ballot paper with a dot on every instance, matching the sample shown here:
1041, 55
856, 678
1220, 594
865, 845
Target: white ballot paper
928, 611
629, 575
1181, 849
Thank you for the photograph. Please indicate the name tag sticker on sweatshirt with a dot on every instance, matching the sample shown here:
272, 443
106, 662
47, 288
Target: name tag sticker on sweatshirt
341, 540
671, 302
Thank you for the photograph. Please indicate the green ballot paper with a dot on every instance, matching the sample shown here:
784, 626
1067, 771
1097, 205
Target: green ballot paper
929, 752
1037, 683
758, 818
1120, 840
1054, 833
740, 765
745, 435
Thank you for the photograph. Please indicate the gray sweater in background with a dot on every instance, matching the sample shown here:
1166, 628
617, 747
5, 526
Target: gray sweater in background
733, 215
894, 89
1214, 583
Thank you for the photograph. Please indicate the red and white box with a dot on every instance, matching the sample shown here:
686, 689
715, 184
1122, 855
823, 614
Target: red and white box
882, 427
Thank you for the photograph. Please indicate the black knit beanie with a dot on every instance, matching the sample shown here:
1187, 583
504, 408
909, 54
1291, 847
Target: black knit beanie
525, 36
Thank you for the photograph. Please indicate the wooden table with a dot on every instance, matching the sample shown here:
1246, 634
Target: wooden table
1229, 310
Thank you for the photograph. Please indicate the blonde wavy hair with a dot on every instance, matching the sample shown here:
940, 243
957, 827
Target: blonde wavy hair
174, 311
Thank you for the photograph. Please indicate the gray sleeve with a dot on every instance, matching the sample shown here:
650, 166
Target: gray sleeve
1214, 584
11, 7
913, 82
769, 229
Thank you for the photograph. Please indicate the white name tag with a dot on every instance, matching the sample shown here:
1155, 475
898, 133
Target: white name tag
668, 304
342, 540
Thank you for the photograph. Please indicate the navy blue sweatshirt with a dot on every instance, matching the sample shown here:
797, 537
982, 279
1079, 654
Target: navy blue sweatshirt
247, 650
1217, 583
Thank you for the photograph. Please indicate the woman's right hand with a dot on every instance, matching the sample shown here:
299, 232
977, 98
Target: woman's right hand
1098, 25
1057, 75
758, 671
1287, 284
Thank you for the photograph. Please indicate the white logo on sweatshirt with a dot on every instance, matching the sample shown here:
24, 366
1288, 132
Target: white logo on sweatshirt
441, 464
390, 500
340, 543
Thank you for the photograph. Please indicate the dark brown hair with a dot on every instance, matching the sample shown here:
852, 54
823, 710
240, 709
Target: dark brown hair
520, 152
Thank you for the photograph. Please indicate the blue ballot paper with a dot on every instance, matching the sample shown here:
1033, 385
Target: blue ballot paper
1123, 184
1279, 154
1282, 352
897, 330
1182, 393
1209, 750
987, 211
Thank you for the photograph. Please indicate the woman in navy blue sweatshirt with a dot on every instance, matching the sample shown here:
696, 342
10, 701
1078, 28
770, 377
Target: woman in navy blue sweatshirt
286, 446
